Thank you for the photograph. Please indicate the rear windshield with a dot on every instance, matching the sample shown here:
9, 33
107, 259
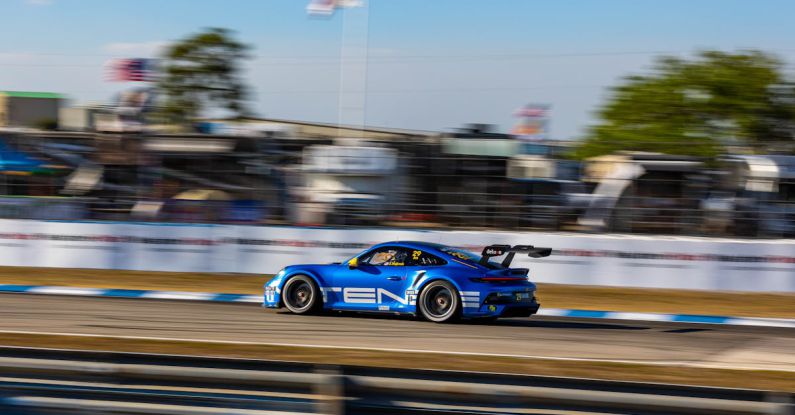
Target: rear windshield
468, 257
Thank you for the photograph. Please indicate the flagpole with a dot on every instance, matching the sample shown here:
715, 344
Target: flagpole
340, 94
351, 105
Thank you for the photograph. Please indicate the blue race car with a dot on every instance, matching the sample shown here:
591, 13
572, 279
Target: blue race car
437, 282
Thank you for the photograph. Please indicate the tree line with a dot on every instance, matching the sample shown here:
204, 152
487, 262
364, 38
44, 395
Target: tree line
697, 107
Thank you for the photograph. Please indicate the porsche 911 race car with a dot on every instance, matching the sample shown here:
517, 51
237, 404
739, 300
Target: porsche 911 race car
437, 282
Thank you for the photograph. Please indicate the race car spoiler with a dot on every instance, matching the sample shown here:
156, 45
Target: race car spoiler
499, 250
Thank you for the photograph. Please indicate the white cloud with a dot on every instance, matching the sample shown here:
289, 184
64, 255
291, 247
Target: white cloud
136, 49
39, 2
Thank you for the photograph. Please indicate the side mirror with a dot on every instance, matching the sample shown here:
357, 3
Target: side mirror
353, 263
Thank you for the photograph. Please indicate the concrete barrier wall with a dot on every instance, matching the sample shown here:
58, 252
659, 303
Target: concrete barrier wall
613, 260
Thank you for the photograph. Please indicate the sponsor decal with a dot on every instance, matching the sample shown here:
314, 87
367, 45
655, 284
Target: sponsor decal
588, 253
411, 297
384, 293
358, 295
108, 239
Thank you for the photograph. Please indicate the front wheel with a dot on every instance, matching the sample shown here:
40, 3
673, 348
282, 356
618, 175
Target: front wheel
300, 295
439, 302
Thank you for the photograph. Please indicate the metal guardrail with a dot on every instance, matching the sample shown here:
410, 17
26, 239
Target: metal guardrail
46, 381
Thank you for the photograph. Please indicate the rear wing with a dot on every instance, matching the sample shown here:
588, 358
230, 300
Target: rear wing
499, 250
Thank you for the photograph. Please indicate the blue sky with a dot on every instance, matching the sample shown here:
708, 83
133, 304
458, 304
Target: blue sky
432, 64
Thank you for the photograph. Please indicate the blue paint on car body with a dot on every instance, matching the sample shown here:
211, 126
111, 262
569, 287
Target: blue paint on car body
390, 277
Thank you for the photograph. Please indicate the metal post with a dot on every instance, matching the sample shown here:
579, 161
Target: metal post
330, 391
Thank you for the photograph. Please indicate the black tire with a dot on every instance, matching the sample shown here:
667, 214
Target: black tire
300, 295
439, 302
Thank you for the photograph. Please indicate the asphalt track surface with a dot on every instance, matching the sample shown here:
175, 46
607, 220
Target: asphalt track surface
644, 342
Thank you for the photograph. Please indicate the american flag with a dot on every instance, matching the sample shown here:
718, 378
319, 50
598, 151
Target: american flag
327, 7
531, 111
133, 70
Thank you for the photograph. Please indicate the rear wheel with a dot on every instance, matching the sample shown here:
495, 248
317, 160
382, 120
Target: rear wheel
301, 295
439, 302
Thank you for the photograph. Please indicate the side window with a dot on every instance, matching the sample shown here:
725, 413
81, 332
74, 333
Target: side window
386, 256
422, 258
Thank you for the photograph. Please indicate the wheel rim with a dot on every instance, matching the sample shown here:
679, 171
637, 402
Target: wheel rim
299, 295
439, 302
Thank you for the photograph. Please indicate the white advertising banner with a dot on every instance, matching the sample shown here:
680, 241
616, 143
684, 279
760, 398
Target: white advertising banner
173, 247
17, 248
92, 245
638, 261
660, 262
268, 249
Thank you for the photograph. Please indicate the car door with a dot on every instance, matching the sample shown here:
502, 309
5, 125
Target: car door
376, 282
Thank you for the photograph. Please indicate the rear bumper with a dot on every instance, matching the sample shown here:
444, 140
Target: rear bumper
519, 309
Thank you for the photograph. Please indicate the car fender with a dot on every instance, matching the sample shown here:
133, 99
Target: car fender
309, 273
313, 274
427, 279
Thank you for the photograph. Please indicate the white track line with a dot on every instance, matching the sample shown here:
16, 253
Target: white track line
76, 291
177, 295
682, 363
